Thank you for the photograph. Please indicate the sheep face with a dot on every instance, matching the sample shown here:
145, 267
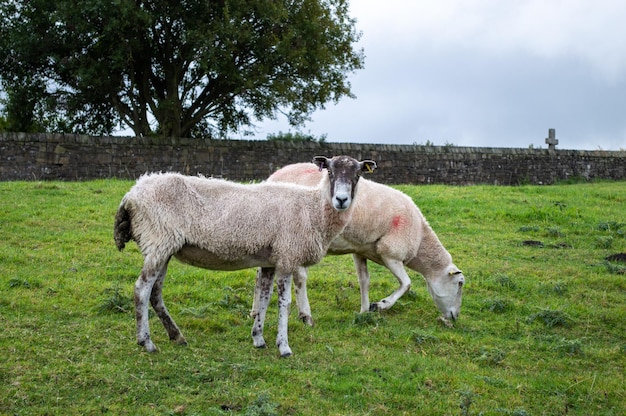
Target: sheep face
343, 174
446, 290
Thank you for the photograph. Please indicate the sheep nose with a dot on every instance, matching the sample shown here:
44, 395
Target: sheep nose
341, 201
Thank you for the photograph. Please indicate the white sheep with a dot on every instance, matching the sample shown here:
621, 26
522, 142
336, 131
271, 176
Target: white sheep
389, 229
221, 225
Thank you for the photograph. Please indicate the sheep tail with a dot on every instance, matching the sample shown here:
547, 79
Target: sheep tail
122, 230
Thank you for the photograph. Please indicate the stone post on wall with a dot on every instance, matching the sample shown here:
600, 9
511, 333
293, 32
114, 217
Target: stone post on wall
551, 139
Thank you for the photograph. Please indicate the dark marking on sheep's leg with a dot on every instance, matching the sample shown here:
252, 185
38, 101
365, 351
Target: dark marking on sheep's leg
143, 289
302, 298
264, 286
156, 300
258, 290
283, 283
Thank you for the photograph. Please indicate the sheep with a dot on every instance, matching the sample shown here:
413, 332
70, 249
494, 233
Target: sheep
221, 225
389, 229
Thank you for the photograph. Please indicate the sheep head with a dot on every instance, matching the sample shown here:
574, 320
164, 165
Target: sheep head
343, 174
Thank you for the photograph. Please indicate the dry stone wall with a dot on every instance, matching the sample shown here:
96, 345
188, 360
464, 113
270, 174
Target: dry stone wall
77, 157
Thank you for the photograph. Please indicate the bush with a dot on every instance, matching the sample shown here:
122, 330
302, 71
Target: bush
296, 137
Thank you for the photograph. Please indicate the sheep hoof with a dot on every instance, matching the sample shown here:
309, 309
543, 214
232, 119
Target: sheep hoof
149, 346
446, 322
285, 352
307, 319
179, 340
374, 307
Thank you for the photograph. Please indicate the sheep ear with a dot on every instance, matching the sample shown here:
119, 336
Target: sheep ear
321, 162
368, 166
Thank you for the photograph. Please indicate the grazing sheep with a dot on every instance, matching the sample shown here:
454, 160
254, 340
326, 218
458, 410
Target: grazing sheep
221, 225
389, 229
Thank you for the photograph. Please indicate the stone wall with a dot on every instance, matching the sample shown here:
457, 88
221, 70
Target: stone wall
76, 157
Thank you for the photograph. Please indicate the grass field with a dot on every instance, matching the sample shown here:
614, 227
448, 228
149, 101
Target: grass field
542, 328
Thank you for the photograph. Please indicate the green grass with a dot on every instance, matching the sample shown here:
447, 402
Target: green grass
542, 328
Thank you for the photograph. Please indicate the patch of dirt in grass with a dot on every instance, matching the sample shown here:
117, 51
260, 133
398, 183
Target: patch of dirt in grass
532, 243
618, 257
560, 245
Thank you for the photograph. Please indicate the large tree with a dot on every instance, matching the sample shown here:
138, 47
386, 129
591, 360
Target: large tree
185, 68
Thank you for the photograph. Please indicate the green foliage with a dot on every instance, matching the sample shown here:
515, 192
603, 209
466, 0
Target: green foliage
466, 397
570, 346
496, 305
262, 406
368, 319
615, 268
422, 337
184, 69
296, 137
541, 330
115, 301
490, 356
14, 283
551, 318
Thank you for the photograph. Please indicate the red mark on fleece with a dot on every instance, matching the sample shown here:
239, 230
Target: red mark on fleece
398, 221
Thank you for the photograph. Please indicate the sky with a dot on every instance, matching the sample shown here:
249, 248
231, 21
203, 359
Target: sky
486, 73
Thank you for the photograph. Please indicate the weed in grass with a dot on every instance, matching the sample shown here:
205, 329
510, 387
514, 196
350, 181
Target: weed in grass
492, 356
235, 300
197, 312
496, 305
495, 382
529, 229
262, 406
610, 226
422, 337
604, 242
554, 232
505, 281
115, 301
552, 318
467, 398
368, 319
569, 346
15, 283
615, 268
559, 288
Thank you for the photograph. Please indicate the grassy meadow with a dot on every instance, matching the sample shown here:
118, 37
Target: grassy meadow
542, 328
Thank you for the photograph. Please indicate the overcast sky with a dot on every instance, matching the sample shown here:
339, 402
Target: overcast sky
483, 73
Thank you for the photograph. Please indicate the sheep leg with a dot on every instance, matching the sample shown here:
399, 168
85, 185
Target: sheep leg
284, 302
262, 294
257, 293
398, 270
143, 289
302, 299
156, 300
360, 264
